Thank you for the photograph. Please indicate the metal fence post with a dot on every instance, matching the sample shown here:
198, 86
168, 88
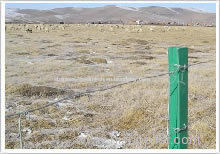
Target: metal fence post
19, 130
178, 97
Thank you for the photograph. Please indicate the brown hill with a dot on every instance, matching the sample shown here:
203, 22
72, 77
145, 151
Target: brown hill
111, 14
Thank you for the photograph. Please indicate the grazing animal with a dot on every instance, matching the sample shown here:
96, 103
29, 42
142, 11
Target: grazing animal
29, 30
46, 30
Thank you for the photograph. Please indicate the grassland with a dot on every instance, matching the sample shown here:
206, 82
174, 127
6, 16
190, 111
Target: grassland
50, 63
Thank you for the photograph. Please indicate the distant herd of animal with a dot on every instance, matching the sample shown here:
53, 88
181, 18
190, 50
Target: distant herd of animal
30, 28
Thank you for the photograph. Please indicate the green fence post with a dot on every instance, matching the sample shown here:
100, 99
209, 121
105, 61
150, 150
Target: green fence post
178, 97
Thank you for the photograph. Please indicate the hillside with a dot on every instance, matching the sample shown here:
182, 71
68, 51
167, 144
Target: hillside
112, 14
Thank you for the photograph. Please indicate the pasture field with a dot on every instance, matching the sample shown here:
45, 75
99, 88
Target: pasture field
54, 61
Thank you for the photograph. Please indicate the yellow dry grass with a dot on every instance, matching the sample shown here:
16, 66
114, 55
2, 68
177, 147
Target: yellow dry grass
61, 58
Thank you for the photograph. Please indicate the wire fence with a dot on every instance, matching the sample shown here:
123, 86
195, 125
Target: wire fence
90, 91
165, 139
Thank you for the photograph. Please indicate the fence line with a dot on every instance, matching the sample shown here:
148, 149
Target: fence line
89, 91
19, 129
189, 124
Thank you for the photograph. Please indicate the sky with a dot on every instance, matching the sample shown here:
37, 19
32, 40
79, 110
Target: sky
209, 7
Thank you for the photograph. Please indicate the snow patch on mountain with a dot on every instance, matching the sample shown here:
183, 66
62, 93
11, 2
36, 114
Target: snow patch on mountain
197, 10
128, 8
59, 16
11, 12
172, 10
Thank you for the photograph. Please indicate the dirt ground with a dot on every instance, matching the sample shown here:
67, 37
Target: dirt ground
54, 61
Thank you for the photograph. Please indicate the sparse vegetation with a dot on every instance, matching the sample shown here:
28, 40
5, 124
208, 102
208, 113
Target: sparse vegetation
67, 59
99, 60
42, 91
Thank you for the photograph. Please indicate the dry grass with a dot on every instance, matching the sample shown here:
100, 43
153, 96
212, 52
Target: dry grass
61, 58
41, 91
131, 119
99, 60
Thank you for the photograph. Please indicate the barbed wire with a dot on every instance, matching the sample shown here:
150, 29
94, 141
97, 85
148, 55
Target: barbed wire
89, 91
209, 110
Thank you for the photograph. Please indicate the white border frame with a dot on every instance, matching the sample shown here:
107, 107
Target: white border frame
2, 76
217, 75
103, 150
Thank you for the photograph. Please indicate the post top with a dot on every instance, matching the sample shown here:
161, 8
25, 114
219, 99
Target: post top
178, 47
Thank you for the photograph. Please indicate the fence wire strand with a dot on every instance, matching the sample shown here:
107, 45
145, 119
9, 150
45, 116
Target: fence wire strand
89, 91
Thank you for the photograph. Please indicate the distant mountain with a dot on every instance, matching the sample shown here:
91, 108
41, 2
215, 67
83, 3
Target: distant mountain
111, 14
